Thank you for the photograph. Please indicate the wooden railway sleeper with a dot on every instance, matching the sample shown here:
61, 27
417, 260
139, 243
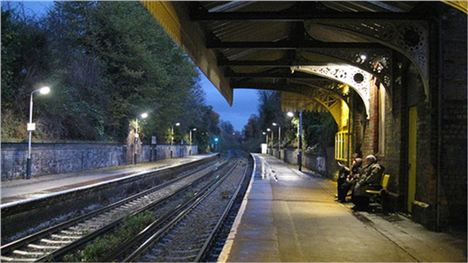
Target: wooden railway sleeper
28, 253
43, 247
56, 236
72, 232
48, 241
10, 259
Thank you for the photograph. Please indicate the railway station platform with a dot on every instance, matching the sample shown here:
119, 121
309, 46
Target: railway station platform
22, 190
288, 215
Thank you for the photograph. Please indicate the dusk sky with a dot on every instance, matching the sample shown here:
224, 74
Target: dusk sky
245, 101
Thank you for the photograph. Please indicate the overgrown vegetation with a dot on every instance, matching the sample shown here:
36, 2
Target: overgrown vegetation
99, 248
106, 62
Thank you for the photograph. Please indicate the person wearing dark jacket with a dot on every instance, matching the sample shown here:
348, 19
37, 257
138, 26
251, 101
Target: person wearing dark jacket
370, 180
344, 173
353, 177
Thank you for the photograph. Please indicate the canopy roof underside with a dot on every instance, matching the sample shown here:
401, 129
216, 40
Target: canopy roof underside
254, 44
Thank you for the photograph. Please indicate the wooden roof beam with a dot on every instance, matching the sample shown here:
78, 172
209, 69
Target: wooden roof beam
287, 44
296, 75
292, 16
268, 63
263, 86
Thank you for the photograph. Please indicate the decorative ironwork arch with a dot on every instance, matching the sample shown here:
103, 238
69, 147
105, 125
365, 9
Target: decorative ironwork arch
409, 37
377, 61
313, 99
355, 77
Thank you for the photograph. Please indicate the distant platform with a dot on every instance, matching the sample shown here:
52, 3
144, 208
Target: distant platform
288, 215
22, 190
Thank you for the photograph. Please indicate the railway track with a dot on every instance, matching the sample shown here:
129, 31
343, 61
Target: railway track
188, 232
53, 243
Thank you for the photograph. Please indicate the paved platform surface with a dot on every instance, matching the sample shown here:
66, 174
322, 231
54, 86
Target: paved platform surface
22, 189
290, 216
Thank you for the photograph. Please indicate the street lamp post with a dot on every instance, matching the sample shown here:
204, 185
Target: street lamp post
190, 138
299, 135
266, 137
137, 137
190, 135
31, 127
269, 140
172, 132
279, 138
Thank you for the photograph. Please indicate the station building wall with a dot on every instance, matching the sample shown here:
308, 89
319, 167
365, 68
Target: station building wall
441, 166
441, 125
453, 117
56, 158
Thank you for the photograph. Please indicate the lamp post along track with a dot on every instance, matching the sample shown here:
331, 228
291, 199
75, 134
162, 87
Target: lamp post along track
191, 226
55, 242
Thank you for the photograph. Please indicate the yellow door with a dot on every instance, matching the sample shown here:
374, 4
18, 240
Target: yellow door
412, 131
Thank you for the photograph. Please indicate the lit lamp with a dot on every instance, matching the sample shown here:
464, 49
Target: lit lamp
269, 130
299, 135
190, 134
279, 138
172, 131
32, 127
144, 115
270, 139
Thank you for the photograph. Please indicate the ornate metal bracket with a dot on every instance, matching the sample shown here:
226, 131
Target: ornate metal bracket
315, 99
323, 97
326, 85
376, 61
409, 37
355, 77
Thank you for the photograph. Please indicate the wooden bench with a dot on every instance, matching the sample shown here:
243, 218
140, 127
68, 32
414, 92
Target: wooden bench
379, 196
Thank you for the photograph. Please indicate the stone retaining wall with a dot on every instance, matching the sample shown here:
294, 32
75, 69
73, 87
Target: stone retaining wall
55, 158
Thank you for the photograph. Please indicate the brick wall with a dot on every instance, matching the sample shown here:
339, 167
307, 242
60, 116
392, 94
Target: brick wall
453, 165
441, 148
370, 132
453, 117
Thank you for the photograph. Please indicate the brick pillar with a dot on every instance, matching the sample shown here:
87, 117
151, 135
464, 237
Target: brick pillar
375, 116
370, 143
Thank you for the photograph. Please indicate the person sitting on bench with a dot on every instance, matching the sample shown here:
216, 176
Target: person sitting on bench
344, 172
353, 176
370, 179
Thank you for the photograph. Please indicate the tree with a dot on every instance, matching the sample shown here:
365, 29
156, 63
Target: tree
106, 63
229, 139
24, 65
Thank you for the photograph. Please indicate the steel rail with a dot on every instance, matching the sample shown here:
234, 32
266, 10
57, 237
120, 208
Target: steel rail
161, 227
209, 241
47, 256
64, 250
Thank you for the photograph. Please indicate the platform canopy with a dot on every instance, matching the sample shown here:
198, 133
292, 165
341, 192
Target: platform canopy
291, 46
